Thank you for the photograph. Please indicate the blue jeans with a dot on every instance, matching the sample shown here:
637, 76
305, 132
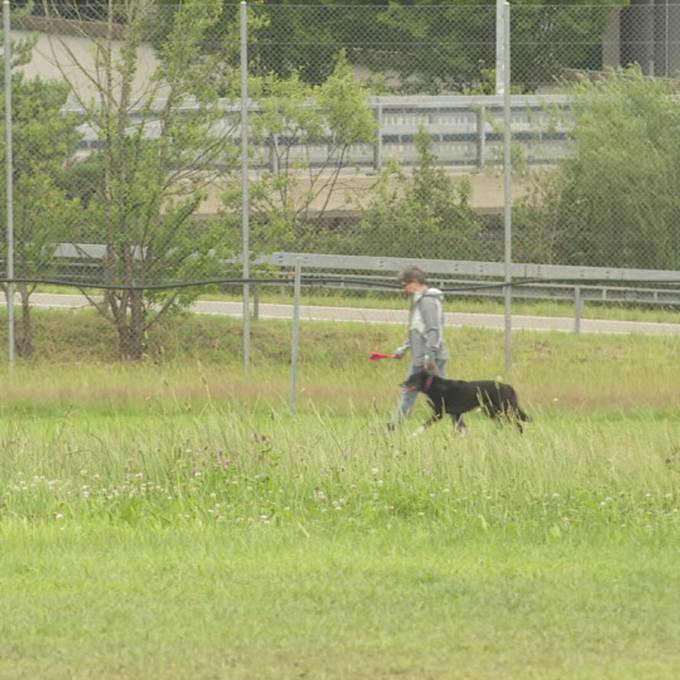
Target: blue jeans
408, 399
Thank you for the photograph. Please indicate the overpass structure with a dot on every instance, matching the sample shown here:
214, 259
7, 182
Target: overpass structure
466, 130
466, 134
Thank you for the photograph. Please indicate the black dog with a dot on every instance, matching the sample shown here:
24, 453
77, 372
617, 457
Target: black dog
455, 397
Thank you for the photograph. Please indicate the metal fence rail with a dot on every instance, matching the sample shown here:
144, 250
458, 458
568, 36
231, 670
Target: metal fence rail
666, 297
82, 266
547, 272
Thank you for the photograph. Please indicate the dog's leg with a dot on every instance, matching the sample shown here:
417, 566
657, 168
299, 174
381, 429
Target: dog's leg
421, 428
494, 411
459, 425
437, 415
511, 414
515, 414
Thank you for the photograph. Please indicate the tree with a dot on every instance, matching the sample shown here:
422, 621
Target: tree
164, 140
425, 215
427, 45
422, 46
290, 198
44, 138
615, 201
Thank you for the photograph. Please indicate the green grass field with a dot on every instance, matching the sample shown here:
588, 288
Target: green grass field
173, 520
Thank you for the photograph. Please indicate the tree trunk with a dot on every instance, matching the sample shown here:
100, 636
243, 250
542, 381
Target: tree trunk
130, 326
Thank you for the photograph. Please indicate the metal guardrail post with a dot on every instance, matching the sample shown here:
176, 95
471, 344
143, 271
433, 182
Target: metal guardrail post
578, 311
295, 344
377, 147
481, 137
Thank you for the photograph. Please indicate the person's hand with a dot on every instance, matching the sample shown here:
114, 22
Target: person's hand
429, 364
399, 352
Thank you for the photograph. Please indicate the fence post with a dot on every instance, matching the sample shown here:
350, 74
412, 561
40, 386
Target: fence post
578, 304
507, 186
256, 303
245, 200
9, 186
481, 137
295, 346
500, 46
377, 147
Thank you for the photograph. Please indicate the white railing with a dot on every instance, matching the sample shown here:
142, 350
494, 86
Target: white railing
466, 130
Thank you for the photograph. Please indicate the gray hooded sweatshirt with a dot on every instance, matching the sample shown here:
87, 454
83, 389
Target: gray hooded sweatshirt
426, 327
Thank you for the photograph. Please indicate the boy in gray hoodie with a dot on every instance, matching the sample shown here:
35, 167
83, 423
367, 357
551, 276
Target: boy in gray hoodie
425, 334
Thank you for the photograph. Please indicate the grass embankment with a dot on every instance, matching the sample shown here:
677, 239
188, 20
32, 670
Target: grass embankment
173, 519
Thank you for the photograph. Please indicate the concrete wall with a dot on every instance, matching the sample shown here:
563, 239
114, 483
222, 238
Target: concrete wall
72, 57
487, 195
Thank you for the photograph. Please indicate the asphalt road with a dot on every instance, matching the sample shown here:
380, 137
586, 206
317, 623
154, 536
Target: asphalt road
366, 315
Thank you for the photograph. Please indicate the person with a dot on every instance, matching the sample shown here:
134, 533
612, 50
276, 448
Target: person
425, 339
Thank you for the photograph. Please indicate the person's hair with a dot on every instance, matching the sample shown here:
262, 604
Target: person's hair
411, 274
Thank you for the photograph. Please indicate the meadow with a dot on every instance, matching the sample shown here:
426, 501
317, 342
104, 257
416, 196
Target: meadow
173, 519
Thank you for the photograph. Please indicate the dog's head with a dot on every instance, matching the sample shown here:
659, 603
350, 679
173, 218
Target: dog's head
419, 381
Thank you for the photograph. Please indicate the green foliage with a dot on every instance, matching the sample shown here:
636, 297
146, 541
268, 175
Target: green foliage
423, 215
428, 45
161, 148
615, 201
289, 197
44, 138
420, 46
548, 37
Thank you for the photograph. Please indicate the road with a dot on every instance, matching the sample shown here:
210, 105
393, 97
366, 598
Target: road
366, 315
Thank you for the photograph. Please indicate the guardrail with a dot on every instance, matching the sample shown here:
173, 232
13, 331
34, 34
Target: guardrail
554, 273
532, 291
83, 264
465, 131
90, 255
526, 278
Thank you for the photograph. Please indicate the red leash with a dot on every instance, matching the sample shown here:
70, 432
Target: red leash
377, 356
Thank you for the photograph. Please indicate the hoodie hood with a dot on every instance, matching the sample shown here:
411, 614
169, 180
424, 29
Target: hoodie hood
430, 292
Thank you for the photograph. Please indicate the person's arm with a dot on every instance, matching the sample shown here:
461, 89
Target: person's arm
430, 310
402, 349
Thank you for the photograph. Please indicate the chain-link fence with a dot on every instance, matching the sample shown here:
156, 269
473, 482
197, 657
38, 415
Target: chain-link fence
373, 130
